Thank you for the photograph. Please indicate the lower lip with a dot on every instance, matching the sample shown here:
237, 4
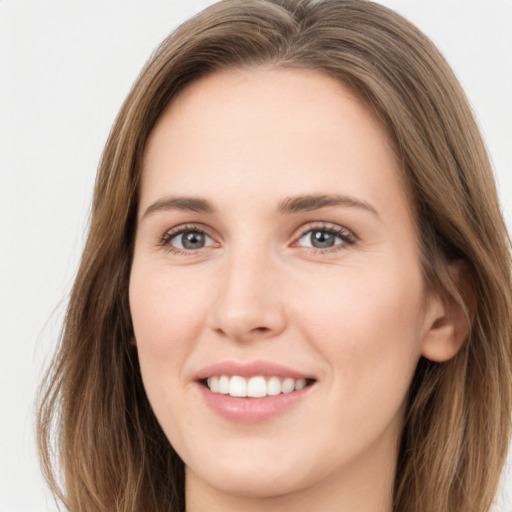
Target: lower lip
252, 410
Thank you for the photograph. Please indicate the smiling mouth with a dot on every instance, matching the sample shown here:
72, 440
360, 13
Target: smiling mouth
254, 387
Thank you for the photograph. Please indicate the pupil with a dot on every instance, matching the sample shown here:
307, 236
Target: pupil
193, 240
321, 239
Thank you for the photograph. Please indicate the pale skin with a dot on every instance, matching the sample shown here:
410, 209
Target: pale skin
354, 313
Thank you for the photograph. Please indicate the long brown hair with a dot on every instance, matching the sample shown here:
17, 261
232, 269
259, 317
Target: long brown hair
101, 446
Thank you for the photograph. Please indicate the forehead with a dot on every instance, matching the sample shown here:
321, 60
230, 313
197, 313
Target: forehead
267, 125
299, 98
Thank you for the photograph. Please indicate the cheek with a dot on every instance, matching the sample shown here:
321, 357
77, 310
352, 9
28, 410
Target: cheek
368, 329
166, 310
167, 315
368, 333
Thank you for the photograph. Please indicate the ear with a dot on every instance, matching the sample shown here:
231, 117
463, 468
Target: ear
449, 317
133, 341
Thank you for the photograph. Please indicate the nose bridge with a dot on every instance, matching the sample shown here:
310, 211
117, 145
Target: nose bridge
248, 303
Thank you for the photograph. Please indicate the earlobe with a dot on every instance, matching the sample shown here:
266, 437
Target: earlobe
450, 317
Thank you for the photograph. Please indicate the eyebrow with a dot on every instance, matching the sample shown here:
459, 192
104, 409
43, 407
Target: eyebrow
287, 206
191, 204
315, 202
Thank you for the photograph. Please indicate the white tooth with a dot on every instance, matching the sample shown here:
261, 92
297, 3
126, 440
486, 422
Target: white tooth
237, 386
288, 385
273, 386
224, 384
213, 384
300, 384
256, 387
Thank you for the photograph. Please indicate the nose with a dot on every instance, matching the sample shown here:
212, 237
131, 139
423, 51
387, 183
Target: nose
249, 304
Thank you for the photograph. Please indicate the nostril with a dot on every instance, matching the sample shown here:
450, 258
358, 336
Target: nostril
261, 329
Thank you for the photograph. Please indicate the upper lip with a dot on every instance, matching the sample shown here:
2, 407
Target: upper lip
250, 369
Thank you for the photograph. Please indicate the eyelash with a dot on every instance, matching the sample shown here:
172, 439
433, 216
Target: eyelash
168, 236
346, 236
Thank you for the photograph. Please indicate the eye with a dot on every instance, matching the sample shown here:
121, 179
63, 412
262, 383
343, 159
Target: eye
186, 239
190, 240
325, 238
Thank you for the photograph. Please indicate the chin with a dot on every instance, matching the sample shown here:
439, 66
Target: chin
250, 481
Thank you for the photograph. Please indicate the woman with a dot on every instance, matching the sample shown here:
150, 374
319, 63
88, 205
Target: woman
296, 289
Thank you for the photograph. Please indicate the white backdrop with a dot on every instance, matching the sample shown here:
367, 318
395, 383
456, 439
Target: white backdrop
65, 68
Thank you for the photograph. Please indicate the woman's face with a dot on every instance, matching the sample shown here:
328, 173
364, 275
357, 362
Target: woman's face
275, 248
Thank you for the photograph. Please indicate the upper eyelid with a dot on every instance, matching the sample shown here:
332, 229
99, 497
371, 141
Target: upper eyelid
170, 233
181, 228
325, 226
